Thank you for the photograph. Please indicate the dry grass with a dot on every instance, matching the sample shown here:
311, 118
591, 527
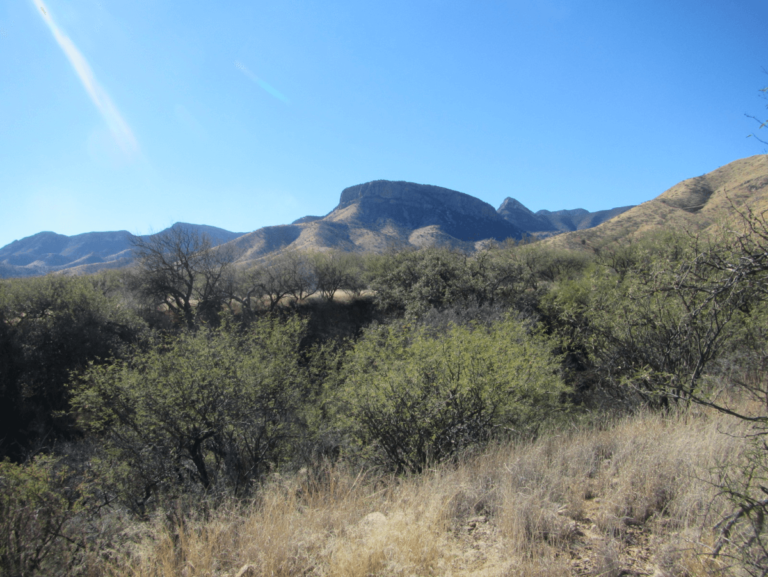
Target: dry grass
694, 205
626, 499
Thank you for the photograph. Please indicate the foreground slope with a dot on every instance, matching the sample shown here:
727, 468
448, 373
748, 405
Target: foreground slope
630, 498
695, 205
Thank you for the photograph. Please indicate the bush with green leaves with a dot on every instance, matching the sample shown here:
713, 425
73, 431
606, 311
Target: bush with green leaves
412, 397
414, 282
209, 410
647, 319
50, 326
38, 519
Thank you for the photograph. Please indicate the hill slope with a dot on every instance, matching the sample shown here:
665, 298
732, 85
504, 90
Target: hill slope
46, 252
696, 204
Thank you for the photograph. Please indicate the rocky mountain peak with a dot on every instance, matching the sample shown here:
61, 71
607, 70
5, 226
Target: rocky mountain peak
511, 204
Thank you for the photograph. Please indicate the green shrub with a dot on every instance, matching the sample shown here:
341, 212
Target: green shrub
37, 511
212, 409
414, 397
50, 326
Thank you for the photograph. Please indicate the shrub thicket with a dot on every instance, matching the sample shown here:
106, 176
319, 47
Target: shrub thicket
470, 348
205, 411
416, 397
50, 326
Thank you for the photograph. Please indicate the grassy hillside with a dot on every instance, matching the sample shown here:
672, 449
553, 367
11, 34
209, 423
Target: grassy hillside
694, 205
631, 497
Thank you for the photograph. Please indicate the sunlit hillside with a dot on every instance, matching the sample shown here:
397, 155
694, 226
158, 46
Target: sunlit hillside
633, 496
694, 205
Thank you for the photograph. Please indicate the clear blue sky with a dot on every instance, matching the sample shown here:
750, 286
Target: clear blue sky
133, 115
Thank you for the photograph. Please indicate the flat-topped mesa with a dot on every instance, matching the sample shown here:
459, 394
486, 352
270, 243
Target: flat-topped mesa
411, 193
413, 206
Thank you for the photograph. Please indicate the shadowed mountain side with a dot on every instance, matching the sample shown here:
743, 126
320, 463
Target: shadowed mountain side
545, 223
265, 240
51, 249
696, 204
521, 216
579, 219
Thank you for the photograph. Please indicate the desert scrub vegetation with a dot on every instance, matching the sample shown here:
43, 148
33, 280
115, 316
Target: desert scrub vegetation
49, 327
411, 397
630, 496
520, 410
211, 409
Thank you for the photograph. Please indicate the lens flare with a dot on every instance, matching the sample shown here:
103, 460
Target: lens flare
273, 91
119, 128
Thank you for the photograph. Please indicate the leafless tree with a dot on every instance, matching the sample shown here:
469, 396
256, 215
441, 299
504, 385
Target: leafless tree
298, 273
181, 269
335, 271
761, 123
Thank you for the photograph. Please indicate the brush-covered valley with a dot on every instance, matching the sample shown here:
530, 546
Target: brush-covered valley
591, 403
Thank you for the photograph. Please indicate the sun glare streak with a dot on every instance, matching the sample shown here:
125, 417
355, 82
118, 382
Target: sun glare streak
120, 130
273, 91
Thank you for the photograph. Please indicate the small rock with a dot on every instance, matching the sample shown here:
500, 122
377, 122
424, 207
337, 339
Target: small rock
374, 518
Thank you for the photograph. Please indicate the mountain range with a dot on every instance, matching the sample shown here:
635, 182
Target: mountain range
46, 251
370, 217
381, 214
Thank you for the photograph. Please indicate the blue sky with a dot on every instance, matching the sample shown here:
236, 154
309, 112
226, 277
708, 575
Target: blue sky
134, 115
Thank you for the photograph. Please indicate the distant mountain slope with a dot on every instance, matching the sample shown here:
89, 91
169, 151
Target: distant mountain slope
545, 223
374, 216
46, 252
694, 204
378, 215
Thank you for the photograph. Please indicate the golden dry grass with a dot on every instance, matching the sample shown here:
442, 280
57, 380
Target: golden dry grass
695, 205
630, 498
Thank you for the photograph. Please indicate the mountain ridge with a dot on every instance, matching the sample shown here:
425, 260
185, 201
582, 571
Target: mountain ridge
544, 223
48, 251
697, 205
369, 217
